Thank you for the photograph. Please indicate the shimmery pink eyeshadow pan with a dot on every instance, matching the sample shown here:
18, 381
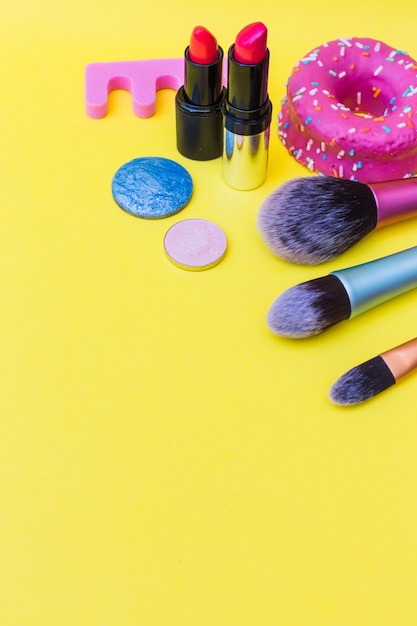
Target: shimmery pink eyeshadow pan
195, 244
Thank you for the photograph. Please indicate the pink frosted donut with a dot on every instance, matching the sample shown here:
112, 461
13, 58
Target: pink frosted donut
350, 111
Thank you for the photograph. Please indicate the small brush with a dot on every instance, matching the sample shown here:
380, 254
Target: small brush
375, 375
310, 307
313, 219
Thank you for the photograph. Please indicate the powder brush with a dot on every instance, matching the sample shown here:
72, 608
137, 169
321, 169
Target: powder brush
313, 306
313, 219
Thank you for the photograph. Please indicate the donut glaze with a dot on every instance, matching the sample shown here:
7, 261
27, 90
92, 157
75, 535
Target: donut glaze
350, 111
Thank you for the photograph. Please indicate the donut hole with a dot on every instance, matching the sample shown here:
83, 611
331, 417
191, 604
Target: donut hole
369, 98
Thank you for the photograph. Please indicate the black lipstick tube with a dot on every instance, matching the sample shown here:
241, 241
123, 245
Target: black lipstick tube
247, 120
198, 109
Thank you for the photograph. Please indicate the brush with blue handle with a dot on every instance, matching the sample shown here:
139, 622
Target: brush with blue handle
313, 306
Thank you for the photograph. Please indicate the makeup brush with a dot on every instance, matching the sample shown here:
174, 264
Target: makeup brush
310, 307
375, 375
313, 219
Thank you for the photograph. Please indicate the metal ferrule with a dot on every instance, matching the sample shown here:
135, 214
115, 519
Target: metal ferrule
402, 359
395, 200
374, 282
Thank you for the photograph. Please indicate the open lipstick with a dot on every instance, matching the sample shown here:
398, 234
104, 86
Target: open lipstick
247, 110
198, 103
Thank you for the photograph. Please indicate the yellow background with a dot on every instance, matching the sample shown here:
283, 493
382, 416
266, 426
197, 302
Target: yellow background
164, 459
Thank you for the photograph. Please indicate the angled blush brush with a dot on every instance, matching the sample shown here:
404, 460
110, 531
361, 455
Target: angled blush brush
313, 219
375, 375
310, 307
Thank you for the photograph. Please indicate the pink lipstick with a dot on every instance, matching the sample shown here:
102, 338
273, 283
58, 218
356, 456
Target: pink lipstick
198, 103
247, 110
250, 45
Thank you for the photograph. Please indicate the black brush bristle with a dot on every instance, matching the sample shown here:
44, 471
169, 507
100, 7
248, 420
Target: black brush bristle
362, 382
309, 308
313, 219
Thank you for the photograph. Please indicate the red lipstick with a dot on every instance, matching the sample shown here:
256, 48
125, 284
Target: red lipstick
203, 46
247, 109
198, 103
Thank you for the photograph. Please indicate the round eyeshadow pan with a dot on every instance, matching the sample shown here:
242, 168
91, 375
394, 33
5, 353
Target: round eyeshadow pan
152, 187
195, 244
